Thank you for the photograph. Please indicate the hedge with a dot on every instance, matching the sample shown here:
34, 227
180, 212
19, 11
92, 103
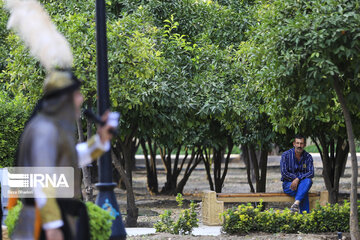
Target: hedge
100, 220
13, 115
246, 218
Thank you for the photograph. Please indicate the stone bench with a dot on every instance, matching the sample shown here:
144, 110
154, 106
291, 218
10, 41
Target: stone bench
213, 203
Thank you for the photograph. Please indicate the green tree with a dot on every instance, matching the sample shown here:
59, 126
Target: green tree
218, 24
4, 47
13, 116
133, 60
311, 47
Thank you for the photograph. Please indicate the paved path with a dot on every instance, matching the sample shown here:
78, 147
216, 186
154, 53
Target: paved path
199, 231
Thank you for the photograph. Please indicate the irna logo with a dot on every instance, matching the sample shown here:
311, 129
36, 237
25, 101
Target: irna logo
23, 181
37, 180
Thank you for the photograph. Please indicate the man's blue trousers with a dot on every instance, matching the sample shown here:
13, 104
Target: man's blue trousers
300, 194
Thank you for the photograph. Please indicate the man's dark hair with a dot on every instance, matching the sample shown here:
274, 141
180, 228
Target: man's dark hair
299, 136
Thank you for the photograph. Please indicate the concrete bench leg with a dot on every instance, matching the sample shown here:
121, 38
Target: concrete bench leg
324, 198
312, 202
211, 209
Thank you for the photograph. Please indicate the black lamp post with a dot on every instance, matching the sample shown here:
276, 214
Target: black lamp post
106, 197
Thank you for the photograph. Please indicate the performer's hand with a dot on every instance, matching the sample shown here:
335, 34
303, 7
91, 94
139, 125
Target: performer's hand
103, 131
54, 234
294, 184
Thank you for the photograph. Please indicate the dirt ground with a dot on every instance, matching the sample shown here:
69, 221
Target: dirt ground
150, 206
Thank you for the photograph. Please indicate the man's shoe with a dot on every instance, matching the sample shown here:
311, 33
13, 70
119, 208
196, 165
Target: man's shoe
294, 208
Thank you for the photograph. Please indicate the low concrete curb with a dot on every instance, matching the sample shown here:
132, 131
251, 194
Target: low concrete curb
199, 231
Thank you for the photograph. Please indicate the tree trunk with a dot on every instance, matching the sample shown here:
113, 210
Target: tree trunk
261, 184
170, 184
218, 158
192, 164
117, 148
259, 163
218, 155
151, 172
131, 220
133, 153
230, 145
354, 220
333, 163
132, 210
245, 152
85, 170
127, 145
207, 162
254, 163
328, 177
342, 152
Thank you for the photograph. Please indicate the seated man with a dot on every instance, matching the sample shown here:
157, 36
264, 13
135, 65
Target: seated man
296, 172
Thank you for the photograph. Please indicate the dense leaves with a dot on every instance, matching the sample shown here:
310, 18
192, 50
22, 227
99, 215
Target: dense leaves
13, 115
100, 220
244, 219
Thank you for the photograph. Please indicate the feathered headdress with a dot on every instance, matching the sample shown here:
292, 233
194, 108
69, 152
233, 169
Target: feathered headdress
32, 23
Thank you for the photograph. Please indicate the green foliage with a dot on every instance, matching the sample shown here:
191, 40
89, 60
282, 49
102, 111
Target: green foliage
183, 225
246, 218
13, 114
179, 199
177, 74
161, 80
134, 60
4, 47
24, 75
292, 56
207, 20
166, 223
12, 217
311, 149
100, 221
186, 221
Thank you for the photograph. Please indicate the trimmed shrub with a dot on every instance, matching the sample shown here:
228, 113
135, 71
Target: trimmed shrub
245, 218
13, 115
12, 217
100, 220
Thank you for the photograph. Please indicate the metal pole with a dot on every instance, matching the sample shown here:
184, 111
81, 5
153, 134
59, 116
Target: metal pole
106, 197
